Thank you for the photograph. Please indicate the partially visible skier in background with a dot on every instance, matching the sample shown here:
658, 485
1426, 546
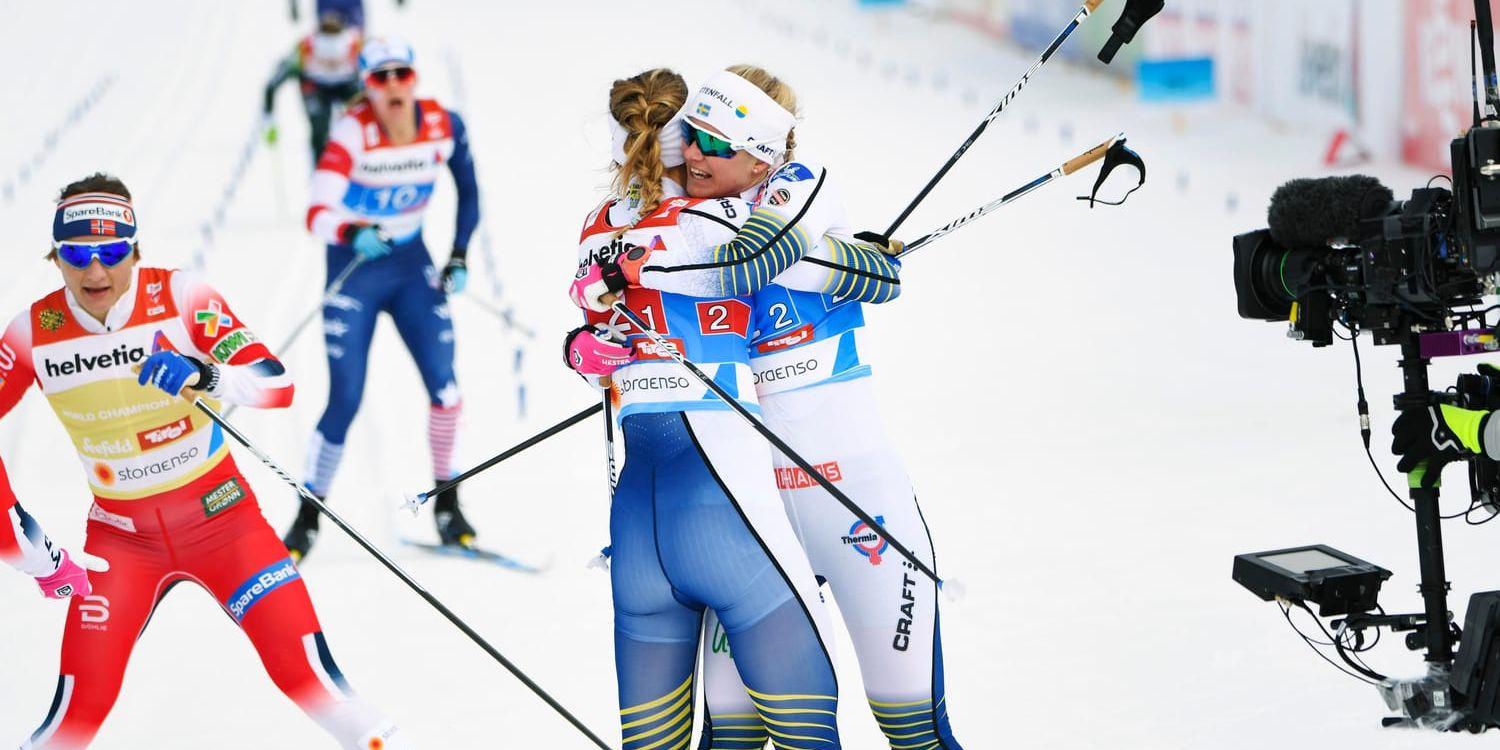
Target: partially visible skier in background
326, 67
369, 195
352, 10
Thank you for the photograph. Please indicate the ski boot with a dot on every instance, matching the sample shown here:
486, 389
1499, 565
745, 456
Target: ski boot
452, 528
299, 539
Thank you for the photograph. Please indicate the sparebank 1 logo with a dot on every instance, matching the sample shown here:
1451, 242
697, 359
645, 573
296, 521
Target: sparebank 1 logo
212, 318
866, 542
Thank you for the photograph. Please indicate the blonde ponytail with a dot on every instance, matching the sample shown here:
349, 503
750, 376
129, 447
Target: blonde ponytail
643, 104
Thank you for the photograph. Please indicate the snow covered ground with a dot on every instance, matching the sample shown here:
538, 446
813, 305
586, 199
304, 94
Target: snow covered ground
1093, 431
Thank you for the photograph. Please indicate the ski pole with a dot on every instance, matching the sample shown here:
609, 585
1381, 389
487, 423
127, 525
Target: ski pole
1083, 14
1069, 167
333, 290
413, 502
619, 306
609, 435
506, 316
308, 497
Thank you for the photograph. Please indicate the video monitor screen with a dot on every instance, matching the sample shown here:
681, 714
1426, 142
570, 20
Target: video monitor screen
1303, 561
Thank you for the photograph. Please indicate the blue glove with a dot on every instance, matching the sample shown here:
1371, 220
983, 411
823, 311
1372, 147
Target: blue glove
455, 275
369, 243
169, 371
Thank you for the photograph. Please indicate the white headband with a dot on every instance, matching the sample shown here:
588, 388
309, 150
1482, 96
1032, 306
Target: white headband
743, 114
670, 140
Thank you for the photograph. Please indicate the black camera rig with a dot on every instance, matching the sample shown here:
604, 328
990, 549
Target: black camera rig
1343, 252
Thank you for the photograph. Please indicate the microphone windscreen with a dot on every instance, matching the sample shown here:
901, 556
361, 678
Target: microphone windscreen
1309, 212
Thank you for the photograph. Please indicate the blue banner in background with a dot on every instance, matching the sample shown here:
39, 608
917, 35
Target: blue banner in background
1176, 80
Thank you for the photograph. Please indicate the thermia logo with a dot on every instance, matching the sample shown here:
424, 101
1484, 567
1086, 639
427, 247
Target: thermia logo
252, 591
122, 355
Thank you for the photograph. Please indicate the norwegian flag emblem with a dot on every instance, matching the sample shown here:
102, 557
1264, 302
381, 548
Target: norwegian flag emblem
102, 227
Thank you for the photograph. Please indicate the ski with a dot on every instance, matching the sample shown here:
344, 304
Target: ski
473, 552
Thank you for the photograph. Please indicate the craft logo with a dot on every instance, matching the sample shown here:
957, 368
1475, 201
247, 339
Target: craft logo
212, 318
153, 290
902, 640
741, 111
51, 320
866, 542
159, 436
117, 357
799, 336
222, 497
794, 478
648, 349
261, 584
233, 343
704, 108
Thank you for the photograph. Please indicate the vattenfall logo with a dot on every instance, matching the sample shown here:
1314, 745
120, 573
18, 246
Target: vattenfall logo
715, 93
119, 357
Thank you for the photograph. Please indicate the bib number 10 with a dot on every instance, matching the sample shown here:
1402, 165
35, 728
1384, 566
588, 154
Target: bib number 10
397, 198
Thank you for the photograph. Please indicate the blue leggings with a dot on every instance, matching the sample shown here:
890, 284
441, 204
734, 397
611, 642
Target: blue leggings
404, 284
690, 533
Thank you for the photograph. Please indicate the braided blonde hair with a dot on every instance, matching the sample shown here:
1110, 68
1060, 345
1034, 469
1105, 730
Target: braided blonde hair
643, 104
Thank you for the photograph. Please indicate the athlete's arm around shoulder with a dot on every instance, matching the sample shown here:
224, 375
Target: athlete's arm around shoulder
794, 206
240, 368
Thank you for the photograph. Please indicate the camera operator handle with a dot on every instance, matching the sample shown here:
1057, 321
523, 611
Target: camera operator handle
1487, 56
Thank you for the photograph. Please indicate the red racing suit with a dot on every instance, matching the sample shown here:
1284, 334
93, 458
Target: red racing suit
169, 504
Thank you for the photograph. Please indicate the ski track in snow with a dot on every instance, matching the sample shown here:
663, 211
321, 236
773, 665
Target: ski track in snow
1093, 432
